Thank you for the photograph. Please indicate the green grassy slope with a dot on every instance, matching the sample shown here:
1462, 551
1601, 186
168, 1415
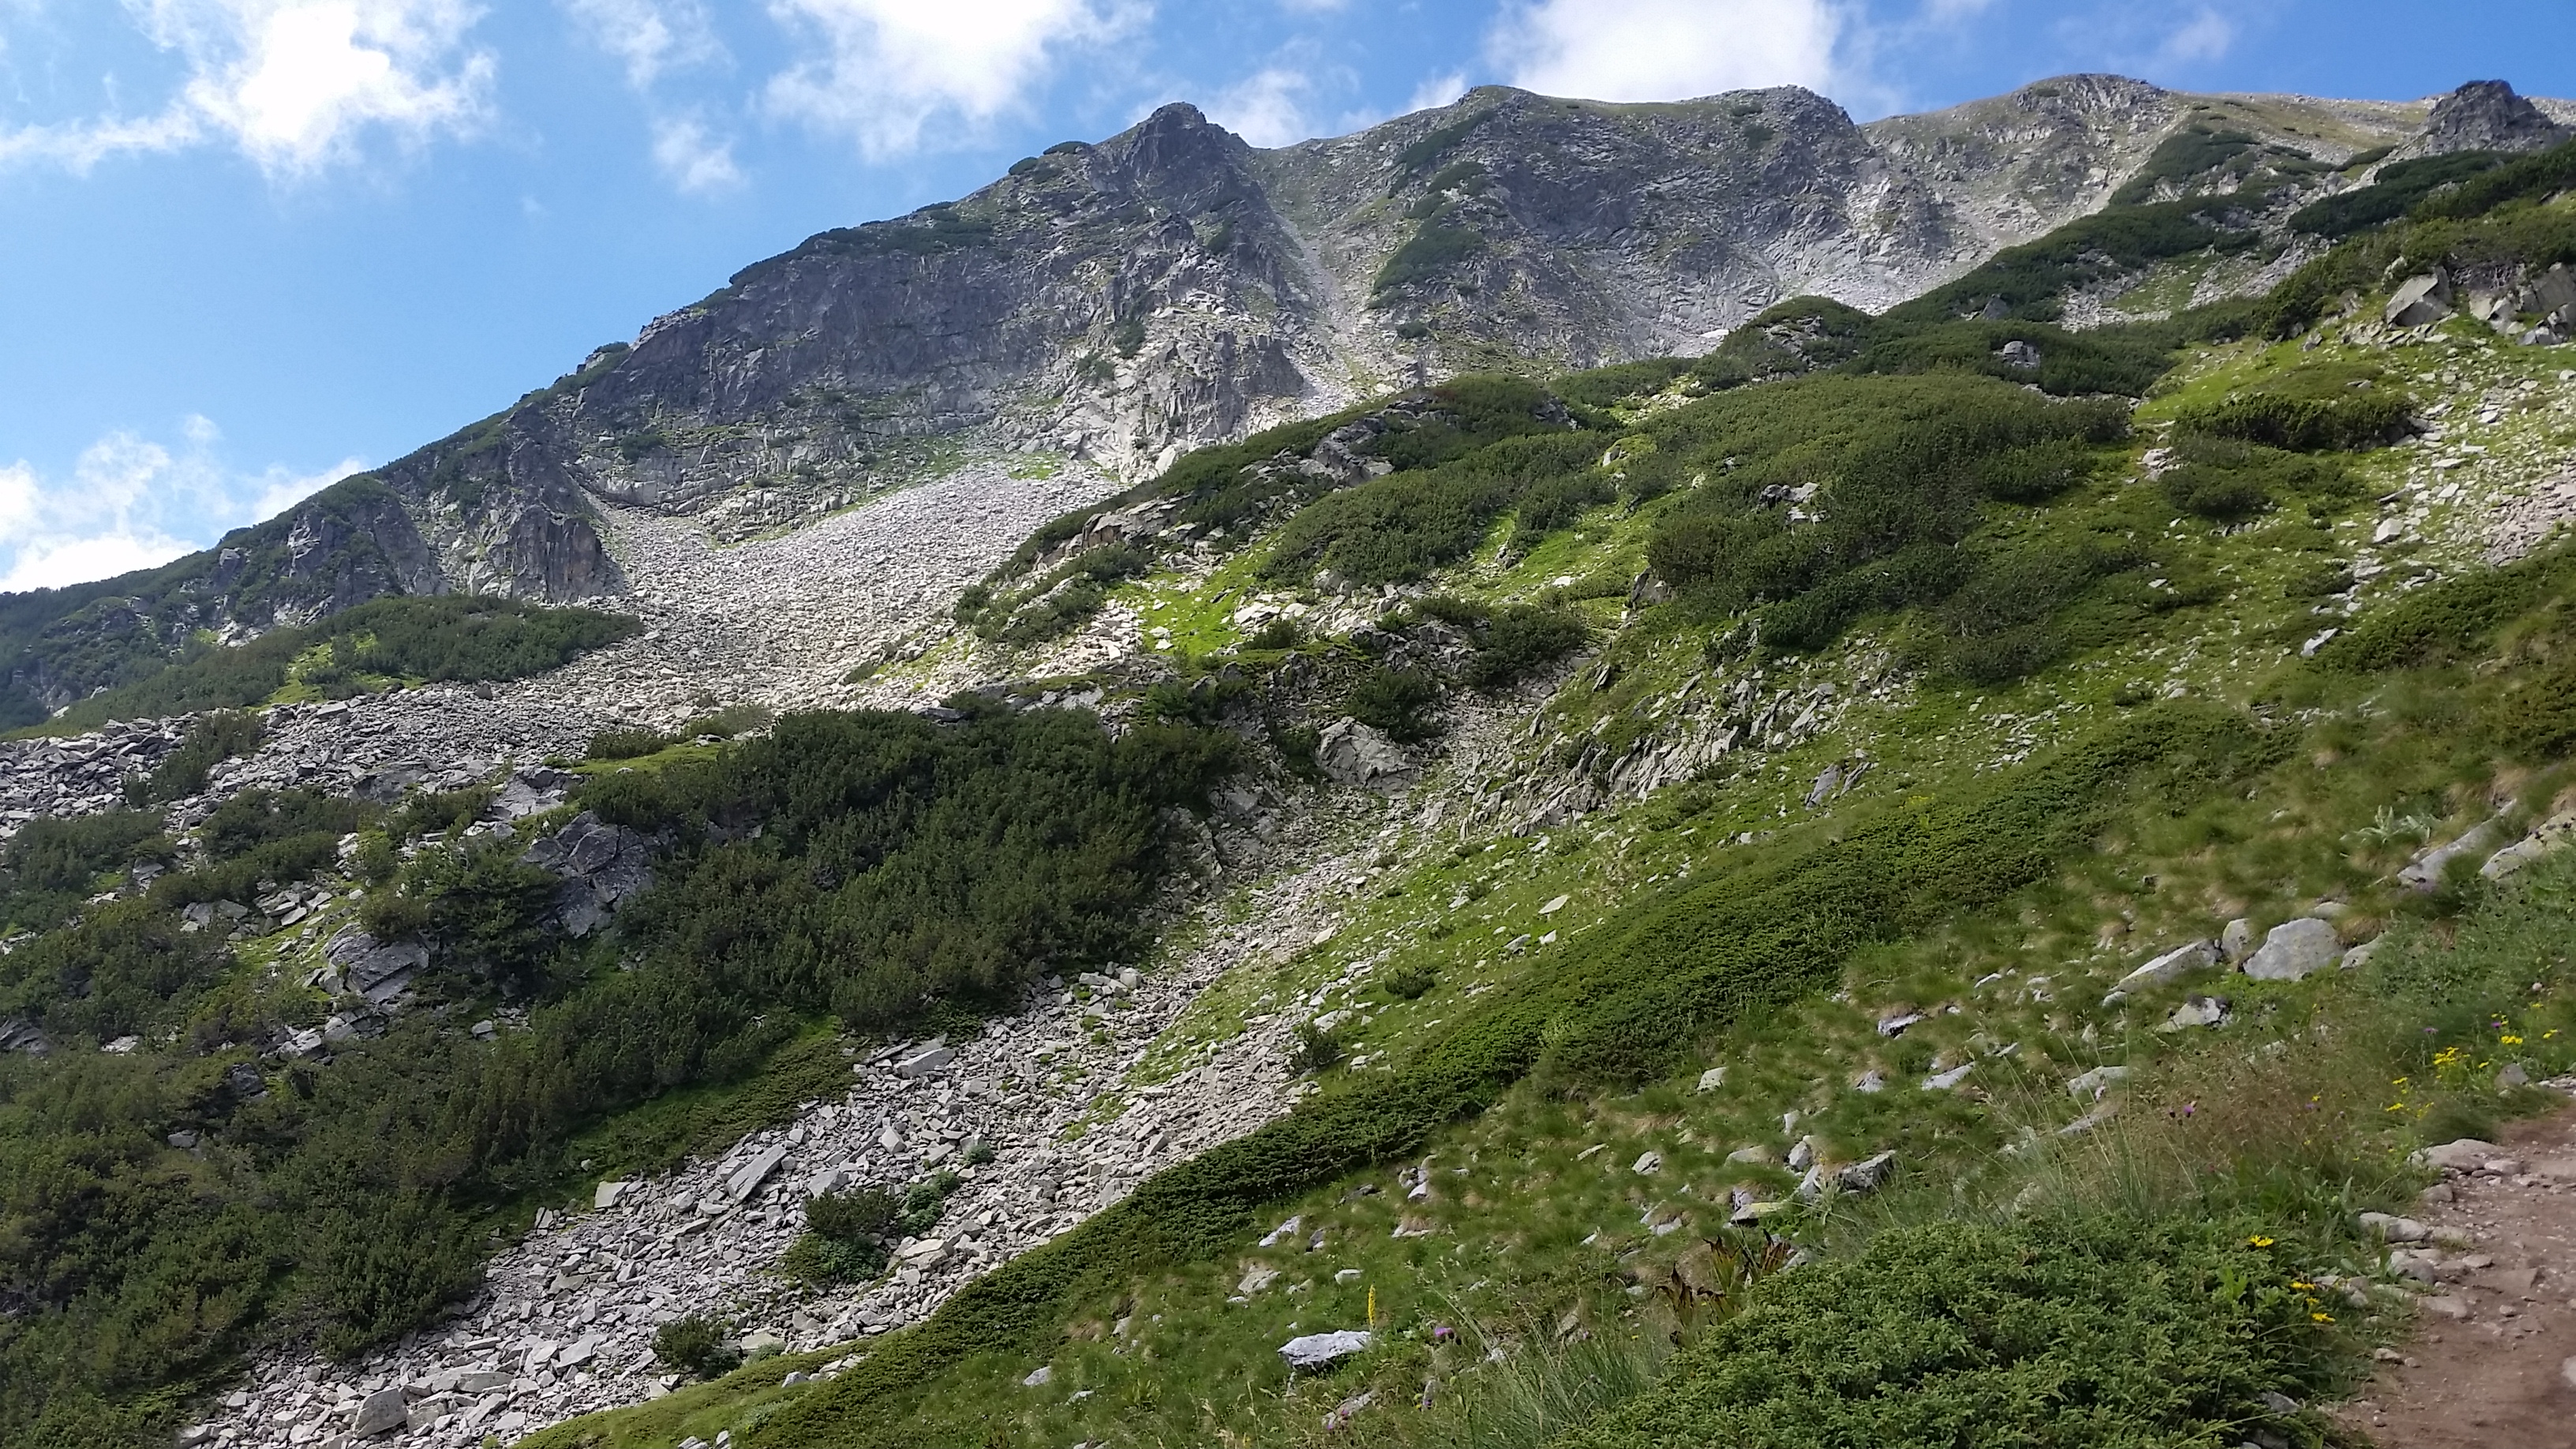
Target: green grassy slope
2161, 750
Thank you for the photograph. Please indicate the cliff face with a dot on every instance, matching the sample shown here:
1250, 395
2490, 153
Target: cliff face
1120, 303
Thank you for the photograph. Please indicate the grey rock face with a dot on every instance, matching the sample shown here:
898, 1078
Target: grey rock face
602, 867
2484, 116
1352, 753
2421, 301
382, 1413
1321, 1350
2293, 949
373, 969
2173, 965
2424, 873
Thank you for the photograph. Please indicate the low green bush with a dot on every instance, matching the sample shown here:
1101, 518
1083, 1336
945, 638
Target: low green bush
627, 744
2535, 718
1317, 1050
55, 863
1521, 639
1409, 983
697, 1345
1402, 703
2076, 1329
210, 740
2350, 422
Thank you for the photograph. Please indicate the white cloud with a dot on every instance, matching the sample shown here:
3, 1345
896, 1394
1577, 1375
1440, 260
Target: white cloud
1436, 91
651, 36
131, 503
2155, 40
1660, 50
1267, 108
2207, 35
880, 71
291, 83
693, 159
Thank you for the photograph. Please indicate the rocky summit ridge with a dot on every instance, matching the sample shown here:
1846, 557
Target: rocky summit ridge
1104, 307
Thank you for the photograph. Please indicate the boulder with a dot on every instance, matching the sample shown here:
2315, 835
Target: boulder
602, 866
2545, 837
2197, 1011
1647, 1163
1323, 1350
1712, 1079
755, 1172
2391, 1229
1256, 1278
2420, 301
1038, 1378
383, 1412
2294, 949
1868, 1175
2424, 873
2551, 292
2019, 355
374, 969
929, 1059
1351, 753
2173, 965
761, 1343
2091, 1085
2467, 1154
2236, 941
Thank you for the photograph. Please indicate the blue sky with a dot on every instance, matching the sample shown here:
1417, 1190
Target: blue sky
248, 246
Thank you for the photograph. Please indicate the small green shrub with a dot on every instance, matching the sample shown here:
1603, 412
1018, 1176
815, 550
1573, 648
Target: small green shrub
697, 1345
1279, 633
627, 744
53, 863
1522, 639
845, 1238
2356, 420
212, 738
2078, 1330
1435, 248
2535, 719
1317, 1051
1399, 702
1409, 983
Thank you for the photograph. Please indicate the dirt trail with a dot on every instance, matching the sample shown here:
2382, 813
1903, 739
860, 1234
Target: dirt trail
2491, 1360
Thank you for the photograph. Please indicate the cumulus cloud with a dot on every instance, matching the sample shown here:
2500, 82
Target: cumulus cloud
880, 71
1267, 108
1660, 50
2155, 40
652, 37
1436, 91
131, 503
692, 158
2203, 35
292, 84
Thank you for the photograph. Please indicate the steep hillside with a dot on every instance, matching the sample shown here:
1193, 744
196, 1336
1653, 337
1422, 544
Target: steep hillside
1574, 896
1104, 308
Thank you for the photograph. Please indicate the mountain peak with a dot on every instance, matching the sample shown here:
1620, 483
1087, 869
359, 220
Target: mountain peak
2484, 115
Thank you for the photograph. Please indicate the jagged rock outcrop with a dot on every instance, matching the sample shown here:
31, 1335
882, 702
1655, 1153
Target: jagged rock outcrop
2484, 116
